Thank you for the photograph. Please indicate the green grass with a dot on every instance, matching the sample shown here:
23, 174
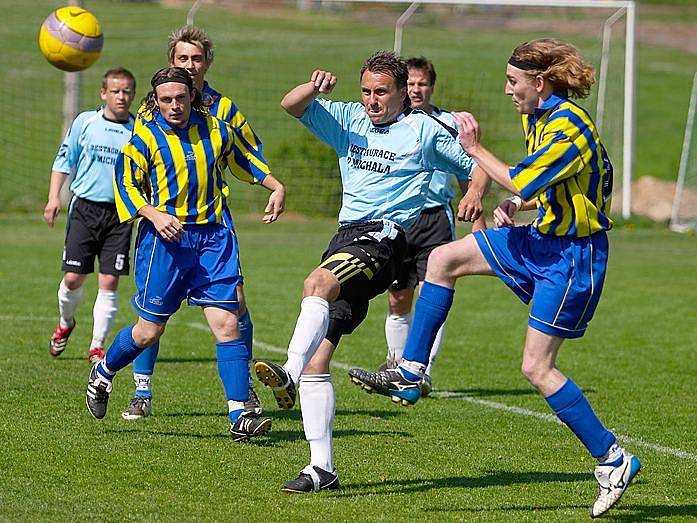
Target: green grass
260, 56
444, 460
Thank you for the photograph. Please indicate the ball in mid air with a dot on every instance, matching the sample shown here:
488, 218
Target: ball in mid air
71, 39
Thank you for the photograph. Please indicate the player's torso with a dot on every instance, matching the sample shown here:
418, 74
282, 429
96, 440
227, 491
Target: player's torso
100, 142
440, 191
382, 171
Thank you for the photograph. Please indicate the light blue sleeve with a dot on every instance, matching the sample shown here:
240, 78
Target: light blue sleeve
70, 149
443, 152
330, 121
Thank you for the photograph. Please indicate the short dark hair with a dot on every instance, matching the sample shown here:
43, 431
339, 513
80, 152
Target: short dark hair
387, 63
423, 63
118, 71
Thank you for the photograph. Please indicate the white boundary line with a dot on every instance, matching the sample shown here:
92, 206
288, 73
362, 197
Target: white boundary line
550, 418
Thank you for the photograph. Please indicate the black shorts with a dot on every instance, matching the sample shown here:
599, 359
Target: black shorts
364, 257
433, 228
93, 230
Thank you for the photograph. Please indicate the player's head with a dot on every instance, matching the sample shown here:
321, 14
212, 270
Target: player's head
191, 48
173, 94
384, 87
117, 92
422, 80
541, 67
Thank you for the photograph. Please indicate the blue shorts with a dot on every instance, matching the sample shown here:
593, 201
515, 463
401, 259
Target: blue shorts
203, 267
562, 276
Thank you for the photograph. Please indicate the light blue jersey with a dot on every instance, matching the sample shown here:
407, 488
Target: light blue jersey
91, 147
440, 190
385, 170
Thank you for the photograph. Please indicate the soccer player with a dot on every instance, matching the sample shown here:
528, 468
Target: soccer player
89, 150
558, 262
435, 226
191, 48
387, 154
171, 174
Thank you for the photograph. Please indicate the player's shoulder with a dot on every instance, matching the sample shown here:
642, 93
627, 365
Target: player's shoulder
426, 123
569, 117
86, 117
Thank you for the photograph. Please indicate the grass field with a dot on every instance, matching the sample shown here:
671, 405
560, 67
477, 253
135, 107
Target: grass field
465, 455
260, 55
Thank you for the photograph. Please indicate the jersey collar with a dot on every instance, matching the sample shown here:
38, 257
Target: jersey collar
550, 103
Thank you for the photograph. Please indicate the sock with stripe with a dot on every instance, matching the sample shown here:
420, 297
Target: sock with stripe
143, 369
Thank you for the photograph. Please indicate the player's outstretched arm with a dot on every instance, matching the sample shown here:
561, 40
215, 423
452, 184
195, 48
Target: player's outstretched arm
469, 136
277, 199
53, 206
298, 99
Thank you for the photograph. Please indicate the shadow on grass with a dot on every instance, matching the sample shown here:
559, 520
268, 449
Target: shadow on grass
483, 393
186, 360
627, 511
295, 435
293, 414
492, 479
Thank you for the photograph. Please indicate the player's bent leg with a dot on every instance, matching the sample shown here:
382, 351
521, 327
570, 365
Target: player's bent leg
318, 405
127, 344
616, 467
70, 294
104, 314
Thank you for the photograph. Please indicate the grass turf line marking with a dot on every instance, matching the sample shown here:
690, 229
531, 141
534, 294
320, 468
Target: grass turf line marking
551, 418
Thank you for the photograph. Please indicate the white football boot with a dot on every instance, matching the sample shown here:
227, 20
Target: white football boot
613, 480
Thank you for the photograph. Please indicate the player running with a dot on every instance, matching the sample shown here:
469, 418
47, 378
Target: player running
387, 154
558, 262
89, 150
191, 48
171, 174
435, 226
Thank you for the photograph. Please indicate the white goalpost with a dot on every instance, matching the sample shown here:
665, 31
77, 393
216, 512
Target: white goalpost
624, 9
684, 216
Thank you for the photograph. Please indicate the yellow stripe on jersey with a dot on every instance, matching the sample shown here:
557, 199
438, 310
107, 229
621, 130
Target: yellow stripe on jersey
567, 170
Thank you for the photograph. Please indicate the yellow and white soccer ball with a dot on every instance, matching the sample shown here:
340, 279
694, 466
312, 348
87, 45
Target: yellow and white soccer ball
71, 38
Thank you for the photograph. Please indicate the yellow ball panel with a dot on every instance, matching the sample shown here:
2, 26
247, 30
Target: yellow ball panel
79, 20
62, 55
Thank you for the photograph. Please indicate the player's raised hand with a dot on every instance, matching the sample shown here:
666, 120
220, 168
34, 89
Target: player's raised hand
503, 214
51, 210
324, 81
276, 205
469, 133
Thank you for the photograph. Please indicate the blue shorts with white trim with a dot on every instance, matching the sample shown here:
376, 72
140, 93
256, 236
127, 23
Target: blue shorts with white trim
203, 267
562, 276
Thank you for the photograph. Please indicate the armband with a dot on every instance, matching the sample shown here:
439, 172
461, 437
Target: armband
517, 201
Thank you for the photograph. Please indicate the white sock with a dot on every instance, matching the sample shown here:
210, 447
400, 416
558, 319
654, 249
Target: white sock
142, 382
310, 330
396, 333
435, 348
318, 403
67, 303
613, 454
104, 313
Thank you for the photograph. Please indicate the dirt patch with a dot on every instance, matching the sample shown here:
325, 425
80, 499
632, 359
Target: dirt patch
653, 198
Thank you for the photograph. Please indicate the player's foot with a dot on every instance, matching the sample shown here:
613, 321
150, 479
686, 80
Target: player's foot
253, 404
390, 383
249, 425
98, 389
312, 479
426, 386
138, 407
276, 377
613, 480
59, 339
96, 354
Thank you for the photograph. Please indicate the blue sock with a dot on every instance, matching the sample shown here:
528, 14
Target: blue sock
429, 314
145, 364
122, 351
246, 327
572, 407
233, 369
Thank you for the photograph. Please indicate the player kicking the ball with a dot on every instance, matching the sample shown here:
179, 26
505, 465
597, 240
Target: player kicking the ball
558, 263
387, 154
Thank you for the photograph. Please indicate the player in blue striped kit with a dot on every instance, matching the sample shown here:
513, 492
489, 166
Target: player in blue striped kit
557, 263
387, 154
89, 150
191, 48
171, 174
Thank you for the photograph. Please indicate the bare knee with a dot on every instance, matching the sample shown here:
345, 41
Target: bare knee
441, 264
535, 371
73, 280
108, 282
321, 283
400, 301
146, 333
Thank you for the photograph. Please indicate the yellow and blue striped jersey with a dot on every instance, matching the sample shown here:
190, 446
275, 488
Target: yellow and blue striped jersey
181, 171
567, 169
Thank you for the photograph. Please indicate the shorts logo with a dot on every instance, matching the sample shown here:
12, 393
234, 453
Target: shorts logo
157, 300
120, 261
74, 263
